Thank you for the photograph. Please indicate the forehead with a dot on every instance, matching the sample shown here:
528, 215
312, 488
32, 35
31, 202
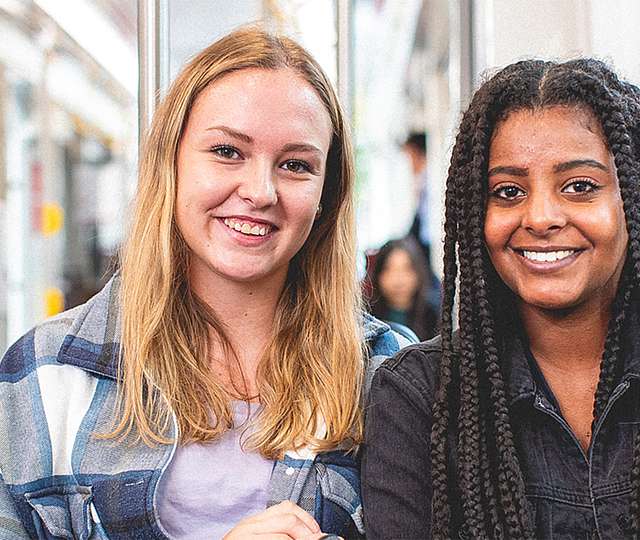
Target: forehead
557, 132
251, 97
398, 256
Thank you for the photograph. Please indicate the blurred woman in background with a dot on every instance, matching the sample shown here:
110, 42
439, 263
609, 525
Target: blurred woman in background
229, 350
399, 287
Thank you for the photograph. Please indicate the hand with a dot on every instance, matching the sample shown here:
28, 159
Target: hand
284, 521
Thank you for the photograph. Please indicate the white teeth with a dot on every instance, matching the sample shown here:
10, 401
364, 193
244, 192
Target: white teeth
247, 228
547, 256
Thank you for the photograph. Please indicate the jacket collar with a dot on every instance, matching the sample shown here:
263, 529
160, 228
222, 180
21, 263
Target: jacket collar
372, 327
94, 345
521, 380
93, 341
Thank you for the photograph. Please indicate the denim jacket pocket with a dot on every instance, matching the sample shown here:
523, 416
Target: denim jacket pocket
62, 512
338, 500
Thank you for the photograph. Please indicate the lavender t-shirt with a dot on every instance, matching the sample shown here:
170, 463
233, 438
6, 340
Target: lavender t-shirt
208, 488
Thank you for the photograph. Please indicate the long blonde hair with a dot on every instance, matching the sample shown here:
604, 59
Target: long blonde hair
312, 370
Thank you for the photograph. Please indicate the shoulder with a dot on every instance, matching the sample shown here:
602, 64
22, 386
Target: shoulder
412, 372
46, 344
46, 391
382, 342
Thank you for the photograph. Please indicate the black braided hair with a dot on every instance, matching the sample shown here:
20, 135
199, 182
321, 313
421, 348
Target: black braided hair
484, 484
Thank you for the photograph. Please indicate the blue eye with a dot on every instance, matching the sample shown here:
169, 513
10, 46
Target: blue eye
582, 185
296, 166
509, 192
226, 151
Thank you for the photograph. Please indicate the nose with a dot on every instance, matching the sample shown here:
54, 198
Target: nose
543, 213
258, 187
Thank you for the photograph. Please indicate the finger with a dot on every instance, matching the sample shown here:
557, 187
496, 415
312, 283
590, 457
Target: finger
289, 524
284, 508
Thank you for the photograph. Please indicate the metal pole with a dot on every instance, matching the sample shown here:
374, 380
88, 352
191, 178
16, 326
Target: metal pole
344, 60
153, 58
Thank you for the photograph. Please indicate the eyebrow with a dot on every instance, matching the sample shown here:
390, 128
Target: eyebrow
575, 163
511, 171
301, 147
558, 168
232, 133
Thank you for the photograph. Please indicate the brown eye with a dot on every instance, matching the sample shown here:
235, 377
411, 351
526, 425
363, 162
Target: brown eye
581, 186
296, 166
508, 192
225, 151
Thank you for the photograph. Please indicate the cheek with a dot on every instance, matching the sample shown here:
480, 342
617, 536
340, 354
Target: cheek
494, 231
383, 280
413, 282
302, 206
499, 226
199, 193
608, 227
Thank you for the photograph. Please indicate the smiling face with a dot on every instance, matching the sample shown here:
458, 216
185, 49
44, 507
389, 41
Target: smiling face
554, 227
251, 166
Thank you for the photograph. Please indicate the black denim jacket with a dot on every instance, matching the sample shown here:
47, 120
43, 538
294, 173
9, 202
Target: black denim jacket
572, 494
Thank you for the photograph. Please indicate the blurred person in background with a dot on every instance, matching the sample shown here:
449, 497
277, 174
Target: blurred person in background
213, 388
399, 285
415, 148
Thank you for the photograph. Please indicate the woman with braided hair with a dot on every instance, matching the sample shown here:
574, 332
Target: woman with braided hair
524, 422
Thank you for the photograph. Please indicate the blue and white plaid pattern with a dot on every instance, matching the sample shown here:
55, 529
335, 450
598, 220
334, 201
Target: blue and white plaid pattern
59, 480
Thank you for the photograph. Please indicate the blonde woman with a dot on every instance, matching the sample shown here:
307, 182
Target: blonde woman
214, 387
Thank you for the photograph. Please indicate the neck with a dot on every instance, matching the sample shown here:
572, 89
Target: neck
246, 312
567, 339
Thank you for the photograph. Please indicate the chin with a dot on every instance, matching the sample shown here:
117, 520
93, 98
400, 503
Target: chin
244, 277
550, 302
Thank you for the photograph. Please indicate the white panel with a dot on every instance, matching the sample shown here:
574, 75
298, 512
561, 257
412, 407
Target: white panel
66, 392
615, 35
84, 22
543, 28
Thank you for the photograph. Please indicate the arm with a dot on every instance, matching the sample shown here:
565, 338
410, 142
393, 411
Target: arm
10, 524
396, 462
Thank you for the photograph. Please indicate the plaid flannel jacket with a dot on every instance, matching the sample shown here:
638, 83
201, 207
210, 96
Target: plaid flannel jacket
58, 480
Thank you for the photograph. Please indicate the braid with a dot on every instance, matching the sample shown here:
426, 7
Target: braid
440, 511
468, 450
471, 405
